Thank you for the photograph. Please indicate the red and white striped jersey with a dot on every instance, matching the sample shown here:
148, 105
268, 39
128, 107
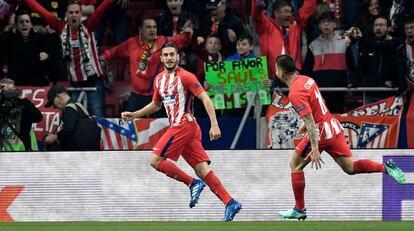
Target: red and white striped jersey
306, 98
176, 91
80, 66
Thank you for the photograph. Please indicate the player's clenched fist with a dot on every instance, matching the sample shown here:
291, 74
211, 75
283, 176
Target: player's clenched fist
215, 133
127, 116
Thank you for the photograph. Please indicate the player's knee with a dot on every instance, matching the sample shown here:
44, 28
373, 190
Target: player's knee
201, 173
294, 167
349, 170
201, 170
155, 162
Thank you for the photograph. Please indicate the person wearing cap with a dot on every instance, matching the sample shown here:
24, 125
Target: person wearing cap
223, 22
72, 123
281, 33
21, 116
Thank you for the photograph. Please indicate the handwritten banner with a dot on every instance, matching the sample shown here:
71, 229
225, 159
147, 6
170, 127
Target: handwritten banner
234, 83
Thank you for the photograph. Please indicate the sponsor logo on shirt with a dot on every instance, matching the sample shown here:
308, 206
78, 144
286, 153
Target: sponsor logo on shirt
168, 99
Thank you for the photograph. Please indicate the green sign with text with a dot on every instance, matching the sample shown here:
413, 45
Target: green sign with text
234, 83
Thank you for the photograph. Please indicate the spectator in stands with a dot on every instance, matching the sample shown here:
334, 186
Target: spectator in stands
21, 116
175, 18
399, 9
6, 10
224, 23
281, 33
312, 27
377, 60
211, 52
79, 50
172, 21
244, 47
79, 131
328, 62
405, 58
143, 52
27, 54
117, 19
207, 54
369, 10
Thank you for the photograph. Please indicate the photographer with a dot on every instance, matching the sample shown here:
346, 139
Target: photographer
16, 118
79, 131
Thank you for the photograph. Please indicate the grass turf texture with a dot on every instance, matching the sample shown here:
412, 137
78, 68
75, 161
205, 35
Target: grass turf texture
210, 226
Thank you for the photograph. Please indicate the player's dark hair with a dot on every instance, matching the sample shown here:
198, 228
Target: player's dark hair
169, 44
286, 63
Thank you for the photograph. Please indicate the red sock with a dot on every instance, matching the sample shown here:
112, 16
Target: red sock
217, 188
298, 185
171, 170
367, 166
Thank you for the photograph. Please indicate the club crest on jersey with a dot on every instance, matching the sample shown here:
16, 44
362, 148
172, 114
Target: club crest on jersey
300, 108
197, 85
168, 99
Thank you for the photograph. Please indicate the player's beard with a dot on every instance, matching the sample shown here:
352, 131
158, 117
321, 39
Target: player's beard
168, 67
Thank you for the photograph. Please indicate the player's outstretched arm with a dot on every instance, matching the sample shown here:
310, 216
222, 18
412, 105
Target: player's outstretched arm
150, 108
215, 132
313, 133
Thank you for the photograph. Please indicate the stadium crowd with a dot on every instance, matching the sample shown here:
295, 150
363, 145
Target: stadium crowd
114, 46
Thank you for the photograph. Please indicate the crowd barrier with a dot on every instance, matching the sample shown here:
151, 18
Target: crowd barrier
382, 124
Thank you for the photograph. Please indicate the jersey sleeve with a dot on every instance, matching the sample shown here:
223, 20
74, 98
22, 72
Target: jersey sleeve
300, 101
192, 84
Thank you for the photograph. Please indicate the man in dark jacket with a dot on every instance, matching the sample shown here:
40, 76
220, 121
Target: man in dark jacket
172, 22
27, 54
79, 131
405, 58
223, 22
377, 60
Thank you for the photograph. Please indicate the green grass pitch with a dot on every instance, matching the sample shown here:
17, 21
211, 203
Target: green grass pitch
210, 226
